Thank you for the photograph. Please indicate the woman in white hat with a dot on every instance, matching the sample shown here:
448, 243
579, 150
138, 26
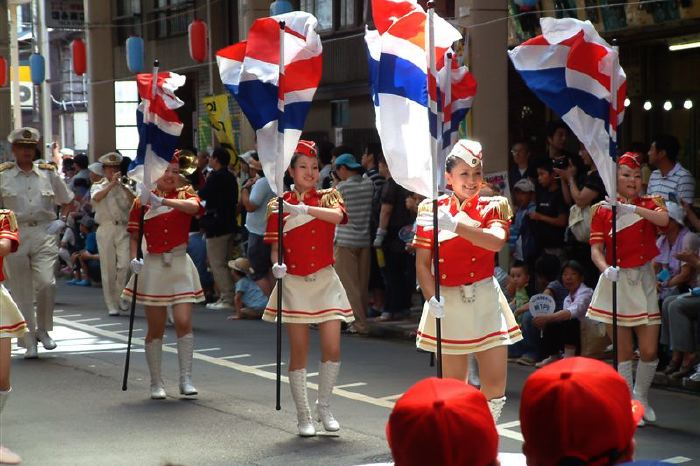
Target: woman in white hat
475, 315
167, 275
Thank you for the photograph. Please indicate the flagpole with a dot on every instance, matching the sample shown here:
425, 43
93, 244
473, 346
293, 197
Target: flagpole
447, 99
280, 210
613, 152
434, 150
139, 255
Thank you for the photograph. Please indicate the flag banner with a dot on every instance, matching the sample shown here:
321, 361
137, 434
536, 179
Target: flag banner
569, 67
221, 123
159, 126
276, 106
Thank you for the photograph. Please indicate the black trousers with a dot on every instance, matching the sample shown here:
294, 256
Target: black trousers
399, 276
559, 334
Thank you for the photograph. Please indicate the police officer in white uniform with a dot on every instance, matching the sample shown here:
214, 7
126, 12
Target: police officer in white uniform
111, 200
33, 190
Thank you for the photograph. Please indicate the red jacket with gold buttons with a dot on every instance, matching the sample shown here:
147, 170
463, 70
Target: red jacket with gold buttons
8, 230
168, 230
307, 241
636, 236
462, 262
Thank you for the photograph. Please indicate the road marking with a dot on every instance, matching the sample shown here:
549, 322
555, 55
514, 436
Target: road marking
72, 315
174, 343
88, 320
677, 460
236, 356
58, 311
348, 385
312, 374
391, 397
261, 366
503, 431
116, 331
507, 425
207, 349
107, 325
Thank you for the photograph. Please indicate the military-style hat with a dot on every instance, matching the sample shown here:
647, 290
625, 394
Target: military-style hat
24, 136
469, 151
111, 159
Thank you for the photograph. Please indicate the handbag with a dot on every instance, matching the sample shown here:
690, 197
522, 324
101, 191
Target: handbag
580, 223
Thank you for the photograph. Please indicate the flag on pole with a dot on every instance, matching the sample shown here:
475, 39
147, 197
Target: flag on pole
569, 67
250, 71
158, 125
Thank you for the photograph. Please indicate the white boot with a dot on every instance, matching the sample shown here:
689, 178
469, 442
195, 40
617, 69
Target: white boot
328, 374
297, 382
185, 348
645, 375
45, 339
154, 350
30, 344
624, 368
496, 406
7, 456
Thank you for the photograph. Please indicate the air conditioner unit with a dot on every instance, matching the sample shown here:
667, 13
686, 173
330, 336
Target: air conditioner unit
26, 94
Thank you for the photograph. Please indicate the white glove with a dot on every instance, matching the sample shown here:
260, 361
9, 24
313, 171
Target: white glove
379, 239
622, 208
155, 201
446, 221
295, 209
437, 308
279, 270
136, 265
612, 273
55, 227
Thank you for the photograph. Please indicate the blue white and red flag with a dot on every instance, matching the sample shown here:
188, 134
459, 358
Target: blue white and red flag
276, 106
569, 67
159, 126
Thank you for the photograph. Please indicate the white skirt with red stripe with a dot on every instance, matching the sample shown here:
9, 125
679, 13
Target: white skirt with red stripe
477, 318
310, 299
12, 323
637, 300
166, 279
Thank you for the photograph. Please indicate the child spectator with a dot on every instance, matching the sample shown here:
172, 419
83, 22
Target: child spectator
522, 240
519, 304
88, 257
551, 213
249, 300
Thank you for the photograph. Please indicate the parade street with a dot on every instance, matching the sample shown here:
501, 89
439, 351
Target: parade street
68, 407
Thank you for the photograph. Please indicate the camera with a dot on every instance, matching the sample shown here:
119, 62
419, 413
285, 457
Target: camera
562, 163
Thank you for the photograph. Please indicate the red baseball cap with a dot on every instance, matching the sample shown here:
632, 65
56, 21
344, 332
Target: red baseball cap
577, 411
442, 421
307, 148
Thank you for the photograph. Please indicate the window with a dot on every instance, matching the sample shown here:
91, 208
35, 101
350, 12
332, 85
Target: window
334, 15
340, 113
347, 14
126, 100
322, 10
128, 19
172, 17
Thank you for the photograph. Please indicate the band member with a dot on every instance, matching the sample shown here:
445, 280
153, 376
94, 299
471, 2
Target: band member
311, 290
475, 316
12, 324
111, 199
167, 276
32, 191
637, 301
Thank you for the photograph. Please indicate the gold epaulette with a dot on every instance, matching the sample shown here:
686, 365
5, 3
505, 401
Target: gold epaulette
330, 198
46, 166
425, 206
595, 207
11, 219
500, 204
272, 206
6, 166
658, 200
183, 191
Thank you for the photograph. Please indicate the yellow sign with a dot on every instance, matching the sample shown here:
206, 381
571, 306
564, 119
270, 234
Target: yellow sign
220, 119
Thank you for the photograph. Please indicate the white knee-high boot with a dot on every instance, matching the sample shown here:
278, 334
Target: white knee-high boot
496, 406
645, 376
328, 374
297, 383
185, 349
154, 351
7, 456
624, 368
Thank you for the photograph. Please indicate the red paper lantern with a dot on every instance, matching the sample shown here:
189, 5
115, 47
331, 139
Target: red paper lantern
79, 57
3, 72
198, 40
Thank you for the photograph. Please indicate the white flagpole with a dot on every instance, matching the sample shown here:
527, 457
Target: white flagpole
613, 151
447, 100
279, 181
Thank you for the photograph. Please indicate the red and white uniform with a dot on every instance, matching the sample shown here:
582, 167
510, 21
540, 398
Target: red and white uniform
637, 300
311, 290
168, 275
12, 323
477, 314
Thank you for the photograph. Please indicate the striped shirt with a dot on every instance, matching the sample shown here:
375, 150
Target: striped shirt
678, 180
357, 195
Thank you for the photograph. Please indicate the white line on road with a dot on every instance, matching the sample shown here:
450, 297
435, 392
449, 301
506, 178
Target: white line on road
391, 397
107, 325
236, 356
348, 385
71, 315
261, 366
677, 460
508, 425
174, 343
207, 349
510, 434
88, 320
116, 331
312, 374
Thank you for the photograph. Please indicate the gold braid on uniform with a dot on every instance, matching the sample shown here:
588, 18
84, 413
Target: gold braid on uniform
658, 200
272, 206
183, 191
6, 166
425, 206
500, 204
11, 219
330, 198
46, 166
595, 207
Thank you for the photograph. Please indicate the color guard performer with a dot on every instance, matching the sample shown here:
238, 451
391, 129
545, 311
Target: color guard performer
311, 290
111, 200
12, 324
637, 301
475, 316
33, 190
167, 276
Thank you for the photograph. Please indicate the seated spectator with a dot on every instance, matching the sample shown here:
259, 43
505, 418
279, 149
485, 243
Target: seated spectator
692, 217
249, 300
578, 411
518, 290
672, 275
522, 240
551, 213
88, 258
443, 422
670, 178
67, 247
522, 167
562, 329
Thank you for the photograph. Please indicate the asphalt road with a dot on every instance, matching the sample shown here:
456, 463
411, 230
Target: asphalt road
67, 408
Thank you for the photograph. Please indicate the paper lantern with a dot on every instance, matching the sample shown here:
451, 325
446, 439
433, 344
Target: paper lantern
198, 36
134, 54
37, 68
280, 6
79, 57
3, 72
